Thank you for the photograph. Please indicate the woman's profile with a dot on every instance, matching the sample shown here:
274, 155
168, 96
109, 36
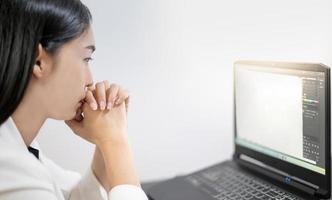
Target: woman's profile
45, 49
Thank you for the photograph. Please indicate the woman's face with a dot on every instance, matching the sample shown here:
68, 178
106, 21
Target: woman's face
68, 78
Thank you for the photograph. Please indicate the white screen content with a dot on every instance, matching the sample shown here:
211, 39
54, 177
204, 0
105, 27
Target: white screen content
269, 110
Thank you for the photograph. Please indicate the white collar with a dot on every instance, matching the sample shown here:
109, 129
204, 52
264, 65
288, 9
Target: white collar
10, 133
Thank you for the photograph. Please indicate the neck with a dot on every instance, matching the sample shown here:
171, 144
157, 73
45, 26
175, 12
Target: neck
28, 119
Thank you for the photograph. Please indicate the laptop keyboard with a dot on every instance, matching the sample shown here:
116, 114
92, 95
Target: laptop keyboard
228, 183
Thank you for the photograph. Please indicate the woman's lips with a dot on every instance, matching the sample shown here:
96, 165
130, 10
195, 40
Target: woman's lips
81, 102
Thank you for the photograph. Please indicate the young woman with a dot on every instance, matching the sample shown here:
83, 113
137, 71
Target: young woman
45, 49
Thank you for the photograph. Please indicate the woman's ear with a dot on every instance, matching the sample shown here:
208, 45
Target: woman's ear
42, 64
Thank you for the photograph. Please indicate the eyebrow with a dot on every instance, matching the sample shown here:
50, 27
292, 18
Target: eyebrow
91, 47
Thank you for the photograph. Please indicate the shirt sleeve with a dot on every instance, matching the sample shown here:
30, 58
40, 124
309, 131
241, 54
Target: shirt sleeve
127, 192
75, 187
22, 177
88, 188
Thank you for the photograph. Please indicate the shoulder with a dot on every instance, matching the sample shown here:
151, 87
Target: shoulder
21, 171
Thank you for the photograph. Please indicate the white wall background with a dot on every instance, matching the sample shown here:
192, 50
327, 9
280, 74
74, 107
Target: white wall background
175, 57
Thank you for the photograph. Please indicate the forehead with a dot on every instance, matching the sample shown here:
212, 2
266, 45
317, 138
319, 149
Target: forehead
84, 40
88, 37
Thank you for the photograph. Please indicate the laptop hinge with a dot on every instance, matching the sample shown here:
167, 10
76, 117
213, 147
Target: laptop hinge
278, 175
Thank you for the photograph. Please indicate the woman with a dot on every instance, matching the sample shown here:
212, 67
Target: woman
45, 49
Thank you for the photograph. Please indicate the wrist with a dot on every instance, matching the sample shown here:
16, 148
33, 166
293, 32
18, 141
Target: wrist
118, 141
98, 168
118, 161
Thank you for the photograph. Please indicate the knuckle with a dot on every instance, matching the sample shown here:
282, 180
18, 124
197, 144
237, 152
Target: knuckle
106, 82
114, 86
99, 84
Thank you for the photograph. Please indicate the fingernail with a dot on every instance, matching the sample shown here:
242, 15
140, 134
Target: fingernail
93, 106
102, 105
109, 106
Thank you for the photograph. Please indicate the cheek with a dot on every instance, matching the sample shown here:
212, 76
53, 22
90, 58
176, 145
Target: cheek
72, 78
65, 104
66, 92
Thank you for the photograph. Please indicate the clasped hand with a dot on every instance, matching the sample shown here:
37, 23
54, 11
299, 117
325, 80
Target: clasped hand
102, 115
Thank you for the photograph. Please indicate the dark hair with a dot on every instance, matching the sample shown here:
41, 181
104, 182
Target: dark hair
24, 24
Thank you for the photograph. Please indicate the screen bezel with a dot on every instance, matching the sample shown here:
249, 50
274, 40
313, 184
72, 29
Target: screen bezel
323, 181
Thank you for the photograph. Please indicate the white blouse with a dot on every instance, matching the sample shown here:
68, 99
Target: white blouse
22, 176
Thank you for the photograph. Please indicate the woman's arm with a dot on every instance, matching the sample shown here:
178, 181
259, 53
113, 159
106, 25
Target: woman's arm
118, 161
98, 168
114, 160
107, 128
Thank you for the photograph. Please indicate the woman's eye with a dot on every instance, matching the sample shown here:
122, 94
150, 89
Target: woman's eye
88, 59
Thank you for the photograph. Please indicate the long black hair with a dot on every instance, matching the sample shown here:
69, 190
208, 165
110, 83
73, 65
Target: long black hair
24, 24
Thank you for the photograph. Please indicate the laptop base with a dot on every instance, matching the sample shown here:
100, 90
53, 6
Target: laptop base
180, 188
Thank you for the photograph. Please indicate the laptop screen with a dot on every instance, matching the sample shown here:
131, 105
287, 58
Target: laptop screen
280, 112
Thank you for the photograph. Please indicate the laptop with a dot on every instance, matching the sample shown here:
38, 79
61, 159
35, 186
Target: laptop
281, 140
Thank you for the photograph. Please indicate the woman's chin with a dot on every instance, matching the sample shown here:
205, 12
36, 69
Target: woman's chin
74, 111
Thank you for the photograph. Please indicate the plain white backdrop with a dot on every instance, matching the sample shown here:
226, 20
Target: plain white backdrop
176, 59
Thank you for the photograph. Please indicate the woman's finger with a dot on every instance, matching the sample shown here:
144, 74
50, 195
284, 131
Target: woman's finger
107, 84
122, 96
92, 88
127, 103
111, 94
90, 100
107, 87
101, 95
